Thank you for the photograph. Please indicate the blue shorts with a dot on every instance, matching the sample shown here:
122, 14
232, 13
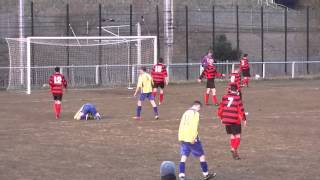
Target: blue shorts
143, 96
196, 149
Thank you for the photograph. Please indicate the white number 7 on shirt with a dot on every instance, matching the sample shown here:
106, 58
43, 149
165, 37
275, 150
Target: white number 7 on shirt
230, 99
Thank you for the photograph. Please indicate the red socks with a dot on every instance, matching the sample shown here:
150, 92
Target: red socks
206, 98
234, 143
161, 97
237, 142
214, 99
57, 108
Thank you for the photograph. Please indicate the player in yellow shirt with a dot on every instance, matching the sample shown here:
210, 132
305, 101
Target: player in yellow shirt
190, 141
144, 85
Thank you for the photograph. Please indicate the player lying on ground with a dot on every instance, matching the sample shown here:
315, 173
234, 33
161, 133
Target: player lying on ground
210, 73
87, 112
231, 113
57, 82
235, 79
159, 76
245, 69
144, 85
190, 141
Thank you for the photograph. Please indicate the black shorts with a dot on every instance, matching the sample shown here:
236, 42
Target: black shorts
210, 83
57, 97
246, 73
233, 129
158, 85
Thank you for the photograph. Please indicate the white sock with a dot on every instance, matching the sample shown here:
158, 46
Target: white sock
182, 175
205, 173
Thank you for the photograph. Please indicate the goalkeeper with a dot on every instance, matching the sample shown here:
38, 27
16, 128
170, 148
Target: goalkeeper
87, 112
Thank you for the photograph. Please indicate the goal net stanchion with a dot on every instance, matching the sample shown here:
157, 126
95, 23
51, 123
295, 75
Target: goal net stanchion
82, 60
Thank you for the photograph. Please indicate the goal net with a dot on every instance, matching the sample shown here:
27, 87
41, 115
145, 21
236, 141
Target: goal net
85, 61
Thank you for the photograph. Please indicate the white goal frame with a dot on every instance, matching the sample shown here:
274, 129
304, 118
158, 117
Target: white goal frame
123, 38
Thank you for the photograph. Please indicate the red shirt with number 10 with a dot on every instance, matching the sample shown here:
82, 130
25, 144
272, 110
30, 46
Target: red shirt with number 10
57, 82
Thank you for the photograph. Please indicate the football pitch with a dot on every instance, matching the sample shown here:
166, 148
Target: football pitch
280, 142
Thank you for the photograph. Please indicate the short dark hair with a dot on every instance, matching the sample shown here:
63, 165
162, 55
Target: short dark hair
245, 55
57, 69
234, 87
160, 60
143, 68
197, 102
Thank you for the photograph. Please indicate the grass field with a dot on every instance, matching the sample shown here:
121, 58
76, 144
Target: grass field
280, 142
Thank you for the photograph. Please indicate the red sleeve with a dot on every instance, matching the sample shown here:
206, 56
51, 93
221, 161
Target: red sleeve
242, 115
203, 74
164, 69
64, 82
220, 109
218, 74
51, 81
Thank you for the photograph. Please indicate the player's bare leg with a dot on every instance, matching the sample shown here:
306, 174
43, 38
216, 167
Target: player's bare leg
155, 109
246, 81
57, 108
138, 111
206, 96
154, 92
161, 96
214, 97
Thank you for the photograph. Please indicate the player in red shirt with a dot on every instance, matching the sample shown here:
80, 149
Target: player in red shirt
57, 82
210, 73
159, 76
231, 113
245, 69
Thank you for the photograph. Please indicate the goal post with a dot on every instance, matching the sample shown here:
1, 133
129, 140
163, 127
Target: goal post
86, 61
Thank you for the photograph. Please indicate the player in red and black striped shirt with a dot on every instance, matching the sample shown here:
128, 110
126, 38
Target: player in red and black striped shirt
57, 82
235, 79
231, 113
159, 76
210, 73
245, 69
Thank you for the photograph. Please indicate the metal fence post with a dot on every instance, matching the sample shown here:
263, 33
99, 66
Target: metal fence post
130, 48
32, 47
308, 40
238, 39
67, 32
133, 74
262, 37
213, 29
158, 32
264, 70
100, 47
187, 44
292, 70
285, 40
97, 74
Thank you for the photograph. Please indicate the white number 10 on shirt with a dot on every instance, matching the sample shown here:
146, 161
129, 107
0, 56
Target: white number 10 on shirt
158, 69
57, 80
